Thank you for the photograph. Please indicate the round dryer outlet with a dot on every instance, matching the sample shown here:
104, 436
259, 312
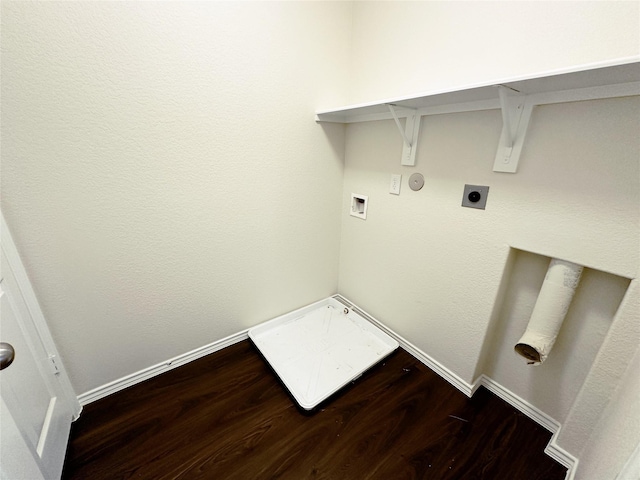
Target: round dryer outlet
416, 182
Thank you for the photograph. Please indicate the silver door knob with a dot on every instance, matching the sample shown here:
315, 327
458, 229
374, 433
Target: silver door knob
7, 354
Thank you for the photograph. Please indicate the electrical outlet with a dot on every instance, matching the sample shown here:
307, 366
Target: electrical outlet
394, 187
475, 196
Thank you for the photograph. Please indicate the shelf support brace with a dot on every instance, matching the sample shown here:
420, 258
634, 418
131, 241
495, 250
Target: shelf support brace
516, 113
409, 134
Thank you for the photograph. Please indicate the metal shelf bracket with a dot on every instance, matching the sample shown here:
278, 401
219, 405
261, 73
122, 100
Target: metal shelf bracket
409, 134
516, 113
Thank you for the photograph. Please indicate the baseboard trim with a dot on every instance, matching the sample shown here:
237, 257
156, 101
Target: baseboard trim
514, 400
170, 364
437, 367
553, 450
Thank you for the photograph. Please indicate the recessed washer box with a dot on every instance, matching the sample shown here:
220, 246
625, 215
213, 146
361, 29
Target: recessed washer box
358, 207
475, 196
319, 349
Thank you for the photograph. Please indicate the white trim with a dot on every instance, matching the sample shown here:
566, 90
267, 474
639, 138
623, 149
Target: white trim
159, 368
587, 93
581, 77
604, 81
600, 92
437, 367
39, 322
162, 367
631, 469
529, 410
552, 450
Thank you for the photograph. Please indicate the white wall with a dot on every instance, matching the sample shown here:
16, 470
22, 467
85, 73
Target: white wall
432, 270
166, 186
162, 173
401, 48
554, 386
619, 426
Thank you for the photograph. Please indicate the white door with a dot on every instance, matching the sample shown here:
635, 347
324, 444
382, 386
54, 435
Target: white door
37, 402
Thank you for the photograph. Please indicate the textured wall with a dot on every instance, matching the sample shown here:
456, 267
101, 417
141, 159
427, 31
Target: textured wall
554, 386
430, 269
400, 48
619, 426
162, 173
166, 186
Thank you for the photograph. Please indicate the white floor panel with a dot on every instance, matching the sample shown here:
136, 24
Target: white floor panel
319, 349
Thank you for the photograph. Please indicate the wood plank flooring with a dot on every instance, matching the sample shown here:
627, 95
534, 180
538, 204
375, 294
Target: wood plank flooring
226, 416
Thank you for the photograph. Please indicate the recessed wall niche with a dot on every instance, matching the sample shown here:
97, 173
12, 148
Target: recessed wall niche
553, 386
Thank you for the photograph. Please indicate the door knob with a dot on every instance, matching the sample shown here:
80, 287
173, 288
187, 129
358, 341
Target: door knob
7, 354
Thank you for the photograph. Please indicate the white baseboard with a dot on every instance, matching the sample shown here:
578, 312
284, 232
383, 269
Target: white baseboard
552, 449
440, 369
137, 377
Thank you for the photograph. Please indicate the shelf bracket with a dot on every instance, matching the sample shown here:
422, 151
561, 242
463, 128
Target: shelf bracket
409, 134
516, 113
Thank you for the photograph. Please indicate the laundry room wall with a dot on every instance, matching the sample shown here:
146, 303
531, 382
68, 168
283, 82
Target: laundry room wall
162, 173
460, 283
403, 47
166, 184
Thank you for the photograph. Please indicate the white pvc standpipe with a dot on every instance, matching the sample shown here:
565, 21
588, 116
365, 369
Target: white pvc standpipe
551, 307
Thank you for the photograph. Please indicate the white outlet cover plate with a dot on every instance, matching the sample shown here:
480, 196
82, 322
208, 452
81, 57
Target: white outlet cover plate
394, 186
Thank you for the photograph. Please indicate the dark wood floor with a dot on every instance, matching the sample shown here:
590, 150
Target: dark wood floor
226, 416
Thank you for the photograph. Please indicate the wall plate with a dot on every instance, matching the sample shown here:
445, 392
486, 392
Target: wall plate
394, 186
416, 182
358, 206
475, 196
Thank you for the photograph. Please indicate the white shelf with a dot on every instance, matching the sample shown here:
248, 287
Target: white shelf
596, 78
516, 97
